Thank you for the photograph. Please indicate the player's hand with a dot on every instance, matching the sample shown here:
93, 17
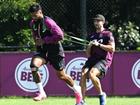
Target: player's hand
94, 42
39, 41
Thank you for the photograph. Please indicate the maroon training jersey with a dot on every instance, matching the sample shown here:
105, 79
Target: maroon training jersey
98, 53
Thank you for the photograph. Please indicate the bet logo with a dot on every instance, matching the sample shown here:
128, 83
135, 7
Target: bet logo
135, 74
74, 68
23, 76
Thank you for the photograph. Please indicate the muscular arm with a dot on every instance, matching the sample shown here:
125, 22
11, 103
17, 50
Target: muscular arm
110, 46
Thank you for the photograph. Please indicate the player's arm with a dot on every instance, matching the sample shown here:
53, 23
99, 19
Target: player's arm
110, 47
88, 50
107, 47
35, 35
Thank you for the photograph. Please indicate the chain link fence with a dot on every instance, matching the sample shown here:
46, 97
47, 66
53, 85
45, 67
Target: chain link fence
67, 12
73, 16
64, 12
97, 7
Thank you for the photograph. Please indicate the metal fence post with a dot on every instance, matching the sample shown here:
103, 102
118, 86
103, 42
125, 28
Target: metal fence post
83, 24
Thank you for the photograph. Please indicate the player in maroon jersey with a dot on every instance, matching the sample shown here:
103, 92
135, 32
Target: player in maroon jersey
100, 52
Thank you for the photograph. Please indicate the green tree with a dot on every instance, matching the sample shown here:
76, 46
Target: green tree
127, 36
14, 23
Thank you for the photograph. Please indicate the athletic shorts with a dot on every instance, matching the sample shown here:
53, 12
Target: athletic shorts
56, 61
100, 65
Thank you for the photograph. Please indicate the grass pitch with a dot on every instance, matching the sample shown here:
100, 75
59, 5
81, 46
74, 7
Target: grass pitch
68, 101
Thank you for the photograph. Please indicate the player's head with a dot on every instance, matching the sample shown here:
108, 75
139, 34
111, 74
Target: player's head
36, 11
99, 21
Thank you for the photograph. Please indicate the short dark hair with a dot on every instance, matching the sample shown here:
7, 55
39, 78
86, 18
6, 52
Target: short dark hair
34, 8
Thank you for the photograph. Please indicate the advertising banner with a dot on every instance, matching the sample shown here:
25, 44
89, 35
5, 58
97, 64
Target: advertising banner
123, 78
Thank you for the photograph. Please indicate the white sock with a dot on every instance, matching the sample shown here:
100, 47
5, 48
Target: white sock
40, 88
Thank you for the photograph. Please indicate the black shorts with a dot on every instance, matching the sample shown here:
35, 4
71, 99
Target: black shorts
56, 61
100, 65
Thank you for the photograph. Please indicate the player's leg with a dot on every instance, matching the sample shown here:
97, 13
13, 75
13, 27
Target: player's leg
76, 88
84, 77
36, 62
83, 83
93, 75
97, 71
58, 64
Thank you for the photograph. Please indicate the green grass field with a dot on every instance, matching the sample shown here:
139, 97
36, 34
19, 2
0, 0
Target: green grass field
69, 101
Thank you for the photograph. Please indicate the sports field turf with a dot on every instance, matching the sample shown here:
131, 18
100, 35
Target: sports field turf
69, 101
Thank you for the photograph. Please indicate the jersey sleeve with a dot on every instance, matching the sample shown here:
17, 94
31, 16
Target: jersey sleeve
34, 34
57, 33
111, 38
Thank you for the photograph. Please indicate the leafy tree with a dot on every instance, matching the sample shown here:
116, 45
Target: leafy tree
127, 36
121, 14
14, 20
